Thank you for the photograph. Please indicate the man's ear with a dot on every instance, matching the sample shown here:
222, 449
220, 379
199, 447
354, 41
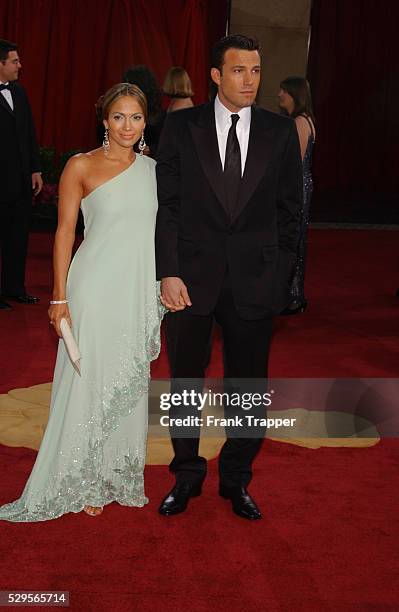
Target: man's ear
215, 75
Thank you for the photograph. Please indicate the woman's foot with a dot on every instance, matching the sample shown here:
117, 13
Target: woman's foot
93, 510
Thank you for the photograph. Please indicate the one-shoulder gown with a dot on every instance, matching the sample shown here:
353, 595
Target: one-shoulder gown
93, 450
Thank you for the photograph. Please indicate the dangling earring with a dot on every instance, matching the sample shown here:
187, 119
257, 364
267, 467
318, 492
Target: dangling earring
142, 144
106, 142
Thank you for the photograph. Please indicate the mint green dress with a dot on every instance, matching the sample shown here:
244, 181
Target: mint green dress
94, 447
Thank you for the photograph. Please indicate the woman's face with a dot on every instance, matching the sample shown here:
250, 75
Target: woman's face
285, 101
125, 121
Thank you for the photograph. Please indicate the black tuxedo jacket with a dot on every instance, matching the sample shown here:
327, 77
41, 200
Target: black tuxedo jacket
195, 239
19, 153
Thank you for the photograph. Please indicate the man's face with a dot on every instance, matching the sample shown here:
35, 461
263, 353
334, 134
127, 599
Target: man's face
238, 80
10, 67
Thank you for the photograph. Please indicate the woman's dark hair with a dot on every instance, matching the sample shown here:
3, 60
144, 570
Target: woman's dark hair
5, 47
234, 41
146, 81
299, 89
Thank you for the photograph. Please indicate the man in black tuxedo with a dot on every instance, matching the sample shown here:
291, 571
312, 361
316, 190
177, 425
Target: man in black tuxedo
20, 174
230, 191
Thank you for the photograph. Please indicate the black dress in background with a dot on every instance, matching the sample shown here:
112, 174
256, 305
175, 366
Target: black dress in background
152, 132
297, 287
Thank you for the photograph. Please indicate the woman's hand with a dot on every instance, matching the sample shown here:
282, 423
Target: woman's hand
56, 312
174, 294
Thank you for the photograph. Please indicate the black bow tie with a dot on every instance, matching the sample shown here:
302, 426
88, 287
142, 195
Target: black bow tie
3, 87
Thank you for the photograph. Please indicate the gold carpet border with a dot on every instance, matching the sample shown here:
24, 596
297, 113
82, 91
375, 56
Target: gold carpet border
24, 413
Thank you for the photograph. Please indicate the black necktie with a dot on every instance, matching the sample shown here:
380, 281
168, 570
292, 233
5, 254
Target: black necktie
2, 87
232, 167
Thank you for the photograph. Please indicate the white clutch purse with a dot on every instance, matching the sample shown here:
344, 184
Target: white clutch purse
70, 345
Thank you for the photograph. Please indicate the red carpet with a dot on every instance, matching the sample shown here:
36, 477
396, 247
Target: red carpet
328, 541
350, 329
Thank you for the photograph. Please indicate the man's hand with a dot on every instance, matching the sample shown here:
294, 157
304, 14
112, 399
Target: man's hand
37, 183
174, 294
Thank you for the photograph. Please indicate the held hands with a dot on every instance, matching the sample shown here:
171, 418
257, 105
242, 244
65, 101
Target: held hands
56, 312
174, 294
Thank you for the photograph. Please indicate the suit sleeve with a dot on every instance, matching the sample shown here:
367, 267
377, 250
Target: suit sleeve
168, 182
290, 194
34, 154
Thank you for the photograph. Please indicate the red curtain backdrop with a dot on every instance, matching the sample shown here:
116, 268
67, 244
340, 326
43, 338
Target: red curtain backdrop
354, 74
72, 51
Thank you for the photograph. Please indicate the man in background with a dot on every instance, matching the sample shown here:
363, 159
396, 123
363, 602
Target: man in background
19, 177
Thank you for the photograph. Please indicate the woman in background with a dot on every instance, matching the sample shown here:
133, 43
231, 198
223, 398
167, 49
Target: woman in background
295, 100
146, 81
177, 86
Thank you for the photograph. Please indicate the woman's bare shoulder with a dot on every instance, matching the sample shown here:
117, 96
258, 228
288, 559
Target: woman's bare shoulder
302, 121
82, 161
303, 124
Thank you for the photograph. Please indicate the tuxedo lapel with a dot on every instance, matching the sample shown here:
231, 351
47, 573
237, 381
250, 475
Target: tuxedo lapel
19, 107
260, 149
5, 105
203, 131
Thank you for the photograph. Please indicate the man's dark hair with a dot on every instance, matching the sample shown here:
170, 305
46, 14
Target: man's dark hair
5, 47
234, 41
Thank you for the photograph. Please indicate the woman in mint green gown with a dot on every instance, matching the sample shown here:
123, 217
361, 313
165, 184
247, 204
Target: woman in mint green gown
94, 447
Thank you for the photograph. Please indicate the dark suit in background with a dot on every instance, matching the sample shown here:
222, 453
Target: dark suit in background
237, 269
19, 158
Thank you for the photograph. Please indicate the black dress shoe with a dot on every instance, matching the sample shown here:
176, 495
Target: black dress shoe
242, 502
25, 298
5, 305
294, 308
177, 499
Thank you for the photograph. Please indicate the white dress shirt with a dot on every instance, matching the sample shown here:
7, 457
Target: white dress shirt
223, 124
7, 94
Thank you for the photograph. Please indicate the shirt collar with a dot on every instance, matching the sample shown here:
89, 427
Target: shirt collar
223, 115
2, 83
